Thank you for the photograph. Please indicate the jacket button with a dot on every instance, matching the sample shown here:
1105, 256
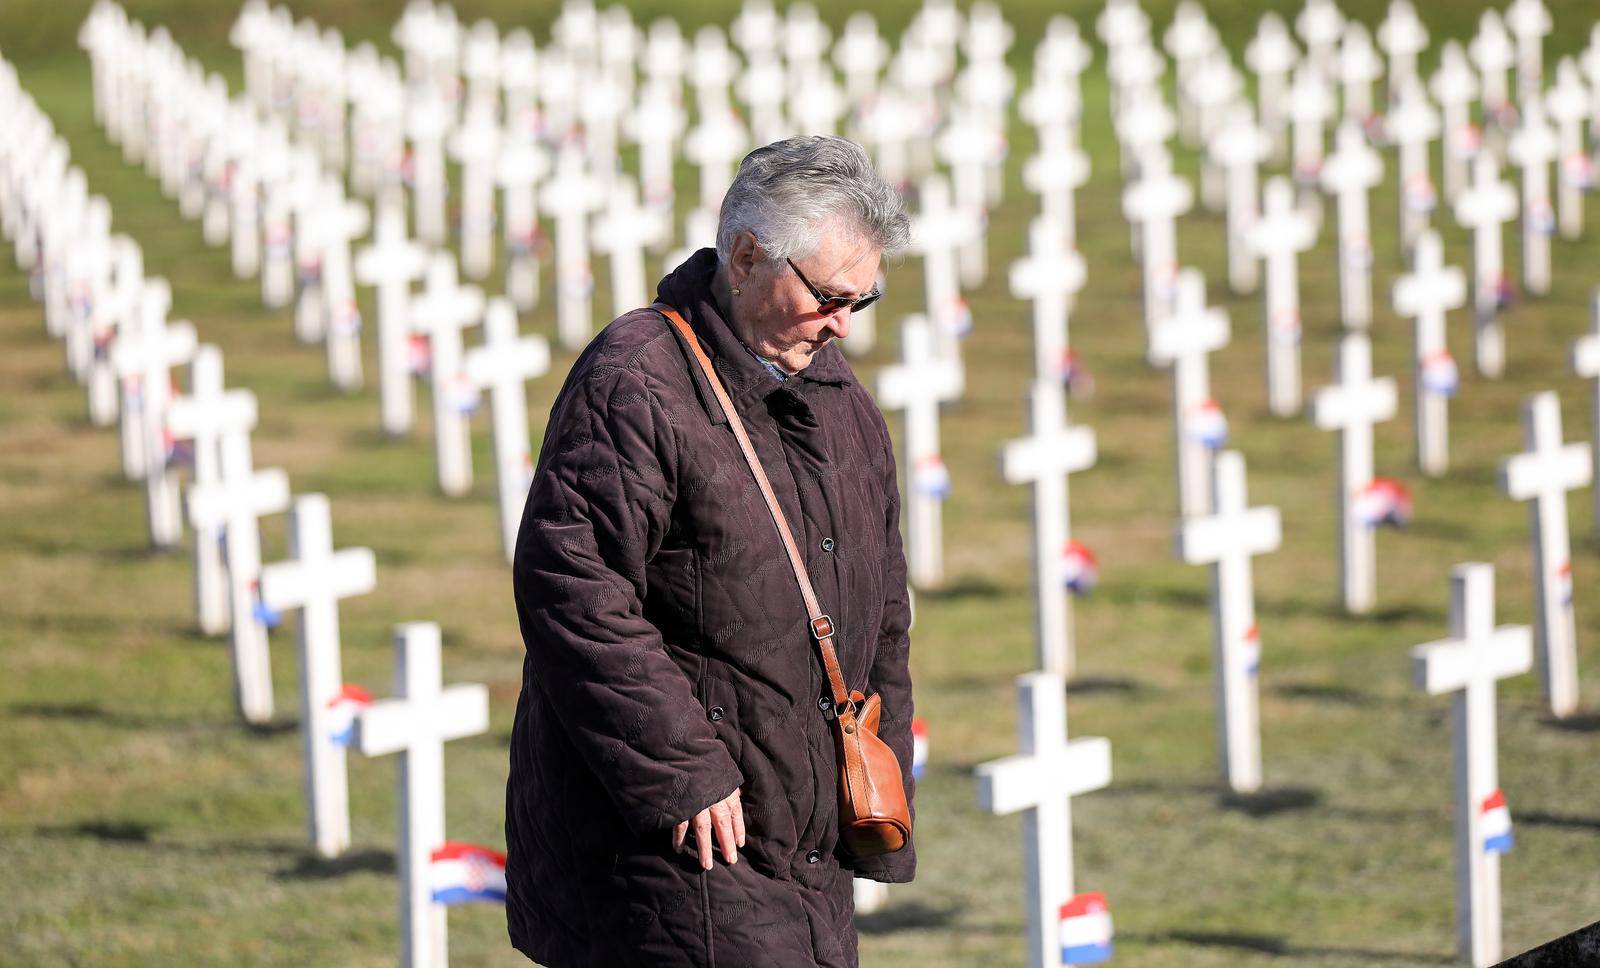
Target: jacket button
715, 715
827, 544
825, 703
813, 856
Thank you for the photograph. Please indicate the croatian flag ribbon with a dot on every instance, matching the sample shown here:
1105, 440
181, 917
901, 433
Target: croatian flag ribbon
1358, 253
343, 709
931, 476
960, 319
919, 746
1494, 823
1286, 327
1440, 374
1564, 583
1079, 568
465, 873
260, 610
1420, 195
346, 318
1252, 650
1542, 217
1085, 930
419, 354
1074, 375
1206, 423
1578, 170
1466, 140
1384, 501
463, 394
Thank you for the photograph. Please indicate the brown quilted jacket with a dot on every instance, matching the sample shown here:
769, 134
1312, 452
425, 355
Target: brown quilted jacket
668, 658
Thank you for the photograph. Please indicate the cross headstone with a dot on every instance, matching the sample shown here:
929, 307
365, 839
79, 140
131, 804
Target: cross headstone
1358, 66
1403, 36
1413, 123
1569, 104
1492, 51
1051, 275
1430, 291
1529, 21
443, 310
1271, 55
1041, 781
1454, 86
1052, 451
423, 716
1348, 174
341, 221
1154, 203
1184, 341
622, 230
476, 145
390, 264
1467, 665
204, 416
1226, 539
1485, 207
502, 365
118, 308
570, 195
1542, 475
1238, 147
1532, 147
937, 231
1586, 364
523, 162
1352, 406
232, 504
1310, 106
313, 580
715, 145
143, 357
427, 122
970, 145
918, 385
1279, 236
1055, 173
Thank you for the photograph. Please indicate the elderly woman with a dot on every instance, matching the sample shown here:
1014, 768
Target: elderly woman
674, 791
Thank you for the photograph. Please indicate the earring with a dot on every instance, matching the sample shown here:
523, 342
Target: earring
735, 290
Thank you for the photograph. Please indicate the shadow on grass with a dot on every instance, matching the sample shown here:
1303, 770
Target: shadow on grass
105, 831
312, 868
1542, 819
1327, 692
1280, 946
964, 588
1586, 723
904, 917
1271, 801
85, 712
1098, 685
276, 727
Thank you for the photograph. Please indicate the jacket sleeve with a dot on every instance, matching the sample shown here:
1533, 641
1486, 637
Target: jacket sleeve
891, 674
597, 509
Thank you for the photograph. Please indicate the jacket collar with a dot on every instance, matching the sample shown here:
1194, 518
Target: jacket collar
688, 290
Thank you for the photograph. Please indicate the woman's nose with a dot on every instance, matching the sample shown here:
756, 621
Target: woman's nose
839, 323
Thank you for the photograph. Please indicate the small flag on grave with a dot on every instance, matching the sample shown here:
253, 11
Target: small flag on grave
260, 610
1440, 374
1207, 424
346, 319
1577, 168
1466, 140
919, 747
1252, 649
1074, 375
931, 476
960, 319
1085, 930
1081, 570
463, 394
465, 873
419, 354
1542, 216
1286, 327
1384, 501
343, 710
1420, 195
1564, 582
1495, 822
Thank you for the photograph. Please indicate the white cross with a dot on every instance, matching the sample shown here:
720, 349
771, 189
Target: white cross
117, 308
571, 195
1320, 24
1359, 65
1055, 174
1484, 208
1271, 55
917, 385
1184, 341
622, 231
1352, 406
1467, 665
1348, 174
1226, 539
205, 416
1414, 123
1568, 104
715, 145
1238, 147
1153, 204
1532, 147
1529, 21
1586, 364
143, 357
1052, 451
1402, 36
523, 162
1051, 275
1430, 291
313, 580
1542, 475
502, 365
443, 310
937, 231
1041, 781
391, 264
1492, 51
476, 145
1310, 106
657, 123
341, 220
971, 146
232, 504
427, 120
423, 716
1279, 236
1455, 85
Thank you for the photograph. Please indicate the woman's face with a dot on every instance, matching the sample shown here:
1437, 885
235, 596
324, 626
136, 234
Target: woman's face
776, 315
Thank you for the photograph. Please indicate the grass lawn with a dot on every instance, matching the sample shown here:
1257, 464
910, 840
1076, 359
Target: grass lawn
141, 823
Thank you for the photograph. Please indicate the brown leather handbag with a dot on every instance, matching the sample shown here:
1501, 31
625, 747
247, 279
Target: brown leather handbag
873, 816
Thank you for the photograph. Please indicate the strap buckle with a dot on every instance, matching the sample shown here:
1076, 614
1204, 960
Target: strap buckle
821, 627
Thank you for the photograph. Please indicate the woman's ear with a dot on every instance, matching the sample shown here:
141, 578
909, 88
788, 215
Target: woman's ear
742, 260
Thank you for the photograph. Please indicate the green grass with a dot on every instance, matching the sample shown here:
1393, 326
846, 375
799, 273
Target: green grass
140, 823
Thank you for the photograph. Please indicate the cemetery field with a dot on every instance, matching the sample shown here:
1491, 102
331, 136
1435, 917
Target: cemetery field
142, 823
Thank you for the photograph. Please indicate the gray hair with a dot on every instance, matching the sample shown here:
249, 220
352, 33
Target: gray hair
783, 193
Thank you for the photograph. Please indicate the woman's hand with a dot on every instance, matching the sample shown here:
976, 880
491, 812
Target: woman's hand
724, 816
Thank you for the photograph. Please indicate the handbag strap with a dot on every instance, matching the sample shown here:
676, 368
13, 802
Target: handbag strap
821, 624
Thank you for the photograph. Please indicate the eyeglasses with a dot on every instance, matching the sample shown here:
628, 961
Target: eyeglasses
828, 305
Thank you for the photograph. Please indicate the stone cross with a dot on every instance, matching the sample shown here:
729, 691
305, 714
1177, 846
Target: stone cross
1153, 204
1041, 781
390, 264
1413, 123
1183, 341
1348, 174
1586, 364
1310, 106
204, 416
1051, 275
143, 356
1532, 147
570, 195
1352, 406
1045, 458
1358, 66
427, 123
1529, 21
937, 231
119, 308
658, 122
623, 229
1226, 540
1454, 86
423, 716
476, 145
1491, 50
502, 365
1484, 208
715, 145
1238, 147
233, 504
1467, 665
970, 145
918, 385
1320, 25
1542, 475
443, 310
1279, 236
1568, 104
313, 580
341, 221
1430, 291
1271, 55
1056, 173
1402, 36
523, 162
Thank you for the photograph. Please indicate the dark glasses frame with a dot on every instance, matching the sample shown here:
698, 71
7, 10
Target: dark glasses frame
828, 305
